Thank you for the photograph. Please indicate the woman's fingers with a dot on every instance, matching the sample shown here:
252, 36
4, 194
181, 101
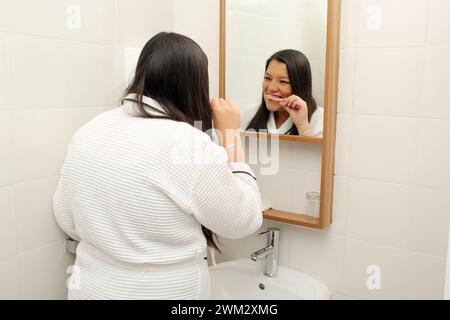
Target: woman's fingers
297, 104
225, 114
292, 112
214, 104
219, 105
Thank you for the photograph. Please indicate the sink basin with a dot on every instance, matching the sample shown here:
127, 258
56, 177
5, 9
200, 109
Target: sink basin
245, 280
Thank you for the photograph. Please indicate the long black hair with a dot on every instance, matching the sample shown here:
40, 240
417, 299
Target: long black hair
300, 77
173, 70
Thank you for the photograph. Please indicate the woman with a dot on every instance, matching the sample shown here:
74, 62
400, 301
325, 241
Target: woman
143, 190
288, 106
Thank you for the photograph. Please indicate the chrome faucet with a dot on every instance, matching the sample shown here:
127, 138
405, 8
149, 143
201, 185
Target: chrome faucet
269, 253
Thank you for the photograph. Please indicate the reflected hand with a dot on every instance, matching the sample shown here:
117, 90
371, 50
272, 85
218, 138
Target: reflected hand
298, 111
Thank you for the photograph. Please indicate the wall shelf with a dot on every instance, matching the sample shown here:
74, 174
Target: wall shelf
280, 137
293, 218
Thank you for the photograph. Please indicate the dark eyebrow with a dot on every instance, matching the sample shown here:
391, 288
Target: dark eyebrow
284, 78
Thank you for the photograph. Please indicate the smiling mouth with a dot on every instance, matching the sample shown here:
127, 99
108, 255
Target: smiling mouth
274, 97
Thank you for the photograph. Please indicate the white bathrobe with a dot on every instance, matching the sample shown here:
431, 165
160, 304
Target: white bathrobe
135, 192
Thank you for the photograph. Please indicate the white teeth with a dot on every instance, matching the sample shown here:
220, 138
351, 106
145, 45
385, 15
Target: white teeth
274, 97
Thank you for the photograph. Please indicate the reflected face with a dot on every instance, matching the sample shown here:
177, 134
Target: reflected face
276, 85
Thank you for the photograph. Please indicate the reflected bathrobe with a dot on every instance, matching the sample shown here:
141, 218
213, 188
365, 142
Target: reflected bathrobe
135, 192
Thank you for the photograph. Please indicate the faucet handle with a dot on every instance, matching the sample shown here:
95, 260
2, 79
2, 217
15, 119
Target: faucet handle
270, 230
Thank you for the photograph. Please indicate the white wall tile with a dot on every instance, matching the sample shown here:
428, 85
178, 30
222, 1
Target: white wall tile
430, 221
9, 279
381, 84
139, 20
299, 33
130, 58
447, 274
231, 41
425, 277
437, 77
250, 26
346, 80
123, 70
392, 23
379, 212
318, 254
42, 273
92, 77
230, 249
308, 11
384, 148
276, 189
349, 23
298, 184
80, 20
433, 159
277, 42
318, 80
262, 7
213, 68
439, 22
304, 156
184, 12
8, 224
343, 142
253, 69
286, 190
35, 221
6, 149
40, 65
5, 8
313, 41
40, 140
392, 262
4, 70
210, 17
340, 204
265, 154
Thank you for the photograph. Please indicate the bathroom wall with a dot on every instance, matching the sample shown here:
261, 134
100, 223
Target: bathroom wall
199, 20
392, 184
447, 274
61, 63
392, 191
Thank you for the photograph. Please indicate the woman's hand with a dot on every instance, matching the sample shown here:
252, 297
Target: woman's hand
298, 111
226, 119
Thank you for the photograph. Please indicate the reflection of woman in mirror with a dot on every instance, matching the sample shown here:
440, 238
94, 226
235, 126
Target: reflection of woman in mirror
288, 106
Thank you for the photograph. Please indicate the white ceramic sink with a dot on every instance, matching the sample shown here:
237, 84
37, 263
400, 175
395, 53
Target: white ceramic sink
245, 280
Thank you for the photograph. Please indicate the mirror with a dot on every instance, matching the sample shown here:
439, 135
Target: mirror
279, 63
292, 34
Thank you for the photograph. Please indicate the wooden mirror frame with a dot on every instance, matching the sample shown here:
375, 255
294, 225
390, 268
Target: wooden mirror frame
329, 125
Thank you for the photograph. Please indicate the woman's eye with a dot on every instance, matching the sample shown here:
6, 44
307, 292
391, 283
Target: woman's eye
266, 78
286, 82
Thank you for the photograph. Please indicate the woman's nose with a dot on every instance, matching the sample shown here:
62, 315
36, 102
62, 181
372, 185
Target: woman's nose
272, 87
